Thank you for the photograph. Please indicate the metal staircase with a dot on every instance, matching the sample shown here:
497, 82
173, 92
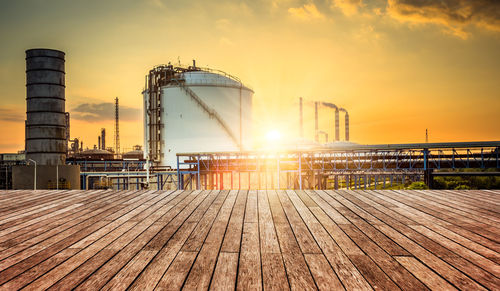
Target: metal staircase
211, 112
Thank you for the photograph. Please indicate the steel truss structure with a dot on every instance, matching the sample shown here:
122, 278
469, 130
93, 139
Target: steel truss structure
316, 169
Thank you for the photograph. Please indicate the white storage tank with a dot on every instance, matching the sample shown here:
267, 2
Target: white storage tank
192, 109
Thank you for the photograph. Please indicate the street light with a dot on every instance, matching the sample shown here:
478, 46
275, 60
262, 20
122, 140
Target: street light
30, 160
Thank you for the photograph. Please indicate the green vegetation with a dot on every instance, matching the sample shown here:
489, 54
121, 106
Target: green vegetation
417, 186
466, 183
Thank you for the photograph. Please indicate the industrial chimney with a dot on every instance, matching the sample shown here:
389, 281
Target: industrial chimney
46, 141
316, 125
47, 126
346, 123
103, 138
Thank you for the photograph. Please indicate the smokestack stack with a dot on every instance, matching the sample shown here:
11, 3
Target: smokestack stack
103, 138
98, 142
346, 126
316, 138
46, 120
337, 125
301, 119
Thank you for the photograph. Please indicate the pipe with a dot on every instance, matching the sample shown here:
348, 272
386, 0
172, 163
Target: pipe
301, 119
316, 138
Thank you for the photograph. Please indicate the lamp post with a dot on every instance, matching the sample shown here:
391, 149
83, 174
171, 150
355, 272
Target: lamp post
34, 178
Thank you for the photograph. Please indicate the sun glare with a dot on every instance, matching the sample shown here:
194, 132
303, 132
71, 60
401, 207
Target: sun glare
273, 136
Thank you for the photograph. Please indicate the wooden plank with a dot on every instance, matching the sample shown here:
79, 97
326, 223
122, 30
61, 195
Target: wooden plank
478, 274
463, 252
42, 225
387, 263
304, 237
124, 232
225, 272
418, 216
31, 274
446, 213
346, 271
18, 263
273, 270
249, 271
399, 275
144, 229
195, 241
434, 224
201, 272
179, 230
299, 276
460, 206
232, 238
451, 274
327, 203
49, 235
268, 239
135, 239
137, 248
424, 274
178, 271
356, 215
324, 276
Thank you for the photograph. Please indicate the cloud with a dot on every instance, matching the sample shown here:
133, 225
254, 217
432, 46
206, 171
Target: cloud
348, 7
158, 3
12, 115
454, 15
96, 112
223, 24
306, 12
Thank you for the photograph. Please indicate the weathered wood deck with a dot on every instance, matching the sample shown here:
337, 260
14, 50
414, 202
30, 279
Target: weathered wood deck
250, 240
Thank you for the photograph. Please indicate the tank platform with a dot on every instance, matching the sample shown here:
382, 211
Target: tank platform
250, 240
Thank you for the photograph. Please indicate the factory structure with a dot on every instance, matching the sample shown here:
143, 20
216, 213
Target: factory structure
193, 109
47, 125
198, 135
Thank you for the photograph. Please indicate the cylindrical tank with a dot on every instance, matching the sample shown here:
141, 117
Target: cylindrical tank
45, 113
200, 110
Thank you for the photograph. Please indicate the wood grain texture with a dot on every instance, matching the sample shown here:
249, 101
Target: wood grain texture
250, 240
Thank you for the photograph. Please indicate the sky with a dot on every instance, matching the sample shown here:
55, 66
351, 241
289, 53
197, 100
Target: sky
398, 66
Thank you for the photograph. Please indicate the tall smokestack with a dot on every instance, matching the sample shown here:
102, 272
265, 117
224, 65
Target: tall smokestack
337, 125
103, 138
99, 142
46, 140
337, 130
316, 138
346, 126
301, 119
117, 128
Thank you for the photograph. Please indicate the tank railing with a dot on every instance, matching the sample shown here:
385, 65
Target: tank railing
215, 83
185, 68
211, 112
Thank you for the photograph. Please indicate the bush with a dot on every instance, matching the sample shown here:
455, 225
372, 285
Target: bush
417, 186
462, 187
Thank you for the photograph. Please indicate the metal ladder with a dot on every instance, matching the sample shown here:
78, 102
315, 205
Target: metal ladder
211, 112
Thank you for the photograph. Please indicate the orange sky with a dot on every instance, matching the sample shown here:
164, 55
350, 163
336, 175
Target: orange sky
398, 67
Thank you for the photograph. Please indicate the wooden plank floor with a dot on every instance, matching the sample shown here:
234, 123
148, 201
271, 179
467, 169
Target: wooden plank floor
250, 240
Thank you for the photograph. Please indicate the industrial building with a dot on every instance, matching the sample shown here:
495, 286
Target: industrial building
193, 109
198, 135
47, 125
